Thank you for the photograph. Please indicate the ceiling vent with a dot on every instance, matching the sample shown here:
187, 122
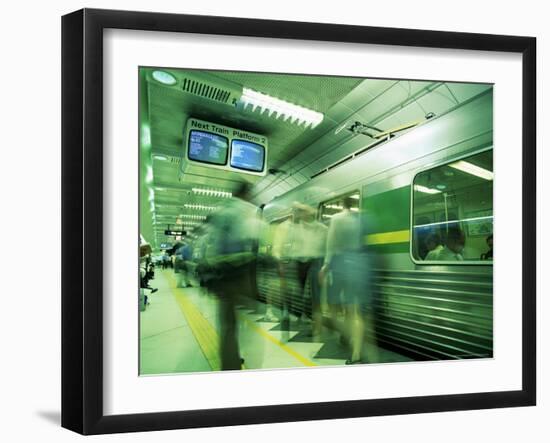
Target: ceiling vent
211, 88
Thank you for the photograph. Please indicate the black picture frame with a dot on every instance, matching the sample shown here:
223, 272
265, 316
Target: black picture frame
82, 218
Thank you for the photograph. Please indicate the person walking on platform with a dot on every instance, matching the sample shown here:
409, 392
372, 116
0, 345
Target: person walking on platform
349, 265
183, 255
229, 264
298, 243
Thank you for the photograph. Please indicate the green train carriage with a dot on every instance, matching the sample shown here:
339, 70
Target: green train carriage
438, 175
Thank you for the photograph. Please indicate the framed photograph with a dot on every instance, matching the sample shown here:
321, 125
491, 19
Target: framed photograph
269, 221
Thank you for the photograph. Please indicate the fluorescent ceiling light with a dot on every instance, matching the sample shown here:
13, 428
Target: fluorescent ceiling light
212, 192
426, 190
288, 111
472, 169
164, 77
193, 216
199, 207
160, 157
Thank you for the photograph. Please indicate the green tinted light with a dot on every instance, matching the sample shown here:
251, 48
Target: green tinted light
164, 77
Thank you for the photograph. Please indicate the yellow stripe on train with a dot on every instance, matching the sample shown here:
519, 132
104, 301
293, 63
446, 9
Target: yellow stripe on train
388, 237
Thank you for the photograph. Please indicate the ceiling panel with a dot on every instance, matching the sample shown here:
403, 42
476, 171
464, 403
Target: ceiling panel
296, 153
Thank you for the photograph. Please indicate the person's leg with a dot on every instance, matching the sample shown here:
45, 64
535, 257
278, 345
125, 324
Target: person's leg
316, 288
290, 278
334, 300
302, 272
285, 297
354, 293
229, 345
357, 332
264, 272
184, 274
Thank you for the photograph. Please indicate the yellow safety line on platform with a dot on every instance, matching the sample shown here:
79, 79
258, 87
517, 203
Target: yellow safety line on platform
388, 237
284, 347
208, 338
203, 331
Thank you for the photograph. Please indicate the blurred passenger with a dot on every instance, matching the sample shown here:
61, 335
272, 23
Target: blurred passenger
151, 271
228, 266
267, 262
315, 248
348, 267
183, 254
298, 243
454, 245
144, 275
433, 246
165, 259
199, 251
489, 254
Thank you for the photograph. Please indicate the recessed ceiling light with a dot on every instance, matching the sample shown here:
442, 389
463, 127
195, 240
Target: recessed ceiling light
164, 77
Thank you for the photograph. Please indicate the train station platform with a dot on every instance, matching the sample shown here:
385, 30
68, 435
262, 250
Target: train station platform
180, 333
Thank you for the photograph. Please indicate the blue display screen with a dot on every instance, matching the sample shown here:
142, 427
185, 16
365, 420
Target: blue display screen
207, 147
247, 155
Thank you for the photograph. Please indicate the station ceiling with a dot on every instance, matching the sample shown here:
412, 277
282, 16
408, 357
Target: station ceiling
296, 152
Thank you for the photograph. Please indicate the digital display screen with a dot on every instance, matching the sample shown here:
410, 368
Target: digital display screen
207, 147
247, 155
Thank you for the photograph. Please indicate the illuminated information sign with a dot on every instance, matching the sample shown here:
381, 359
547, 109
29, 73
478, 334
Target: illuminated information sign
247, 155
207, 147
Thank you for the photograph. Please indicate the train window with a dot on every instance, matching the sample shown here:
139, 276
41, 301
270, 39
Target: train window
332, 207
453, 211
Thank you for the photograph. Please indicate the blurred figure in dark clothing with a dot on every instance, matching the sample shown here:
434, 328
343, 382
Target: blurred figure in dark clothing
298, 245
228, 266
454, 245
184, 254
489, 254
433, 246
